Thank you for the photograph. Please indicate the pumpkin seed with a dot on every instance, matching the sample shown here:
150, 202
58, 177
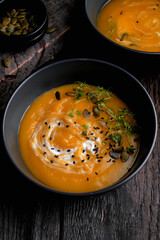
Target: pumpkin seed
6, 21
58, 95
71, 94
50, 29
86, 114
124, 35
125, 156
118, 149
114, 155
96, 111
6, 62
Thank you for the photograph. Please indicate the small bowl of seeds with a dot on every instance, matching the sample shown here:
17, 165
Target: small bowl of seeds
22, 23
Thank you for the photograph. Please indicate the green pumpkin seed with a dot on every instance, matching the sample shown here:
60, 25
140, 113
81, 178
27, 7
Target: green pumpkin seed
71, 94
125, 156
96, 111
6, 21
6, 62
114, 155
86, 114
124, 35
50, 29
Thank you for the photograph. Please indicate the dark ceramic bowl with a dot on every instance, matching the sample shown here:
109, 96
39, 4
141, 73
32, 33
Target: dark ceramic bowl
19, 42
94, 72
92, 8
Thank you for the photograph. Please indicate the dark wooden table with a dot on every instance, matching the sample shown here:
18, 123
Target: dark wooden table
131, 212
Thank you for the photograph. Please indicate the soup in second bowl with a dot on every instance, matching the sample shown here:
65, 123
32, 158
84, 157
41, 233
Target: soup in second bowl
132, 23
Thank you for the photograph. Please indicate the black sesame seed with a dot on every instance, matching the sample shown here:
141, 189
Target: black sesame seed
87, 155
50, 138
67, 126
72, 156
88, 158
82, 160
87, 137
113, 160
87, 179
66, 164
44, 153
44, 145
83, 150
102, 117
58, 150
46, 123
101, 131
49, 127
74, 162
91, 133
43, 136
105, 153
59, 124
68, 150
96, 173
56, 156
101, 157
51, 161
99, 161
75, 122
52, 148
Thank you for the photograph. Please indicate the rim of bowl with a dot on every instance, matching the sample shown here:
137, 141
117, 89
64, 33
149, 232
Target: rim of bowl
83, 194
40, 25
111, 41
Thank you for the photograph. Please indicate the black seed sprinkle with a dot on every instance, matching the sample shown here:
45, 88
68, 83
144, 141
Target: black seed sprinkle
75, 122
66, 164
87, 155
96, 173
99, 161
88, 158
51, 161
50, 138
67, 126
82, 160
72, 156
44, 145
56, 156
101, 131
46, 123
102, 117
44, 153
105, 153
113, 160
91, 133
68, 150
101, 157
59, 124
43, 136
52, 148
49, 127
83, 150
87, 137
87, 179
58, 150
74, 162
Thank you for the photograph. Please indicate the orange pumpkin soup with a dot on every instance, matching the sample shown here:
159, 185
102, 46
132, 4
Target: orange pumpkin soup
131, 23
78, 138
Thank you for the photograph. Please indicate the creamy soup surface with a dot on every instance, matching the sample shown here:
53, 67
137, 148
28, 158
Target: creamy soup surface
132, 23
78, 138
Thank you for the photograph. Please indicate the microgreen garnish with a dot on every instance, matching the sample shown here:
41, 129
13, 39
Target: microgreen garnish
71, 114
84, 133
78, 112
84, 126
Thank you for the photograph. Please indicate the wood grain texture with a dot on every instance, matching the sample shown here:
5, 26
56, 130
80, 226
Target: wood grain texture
23, 63
131, 212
